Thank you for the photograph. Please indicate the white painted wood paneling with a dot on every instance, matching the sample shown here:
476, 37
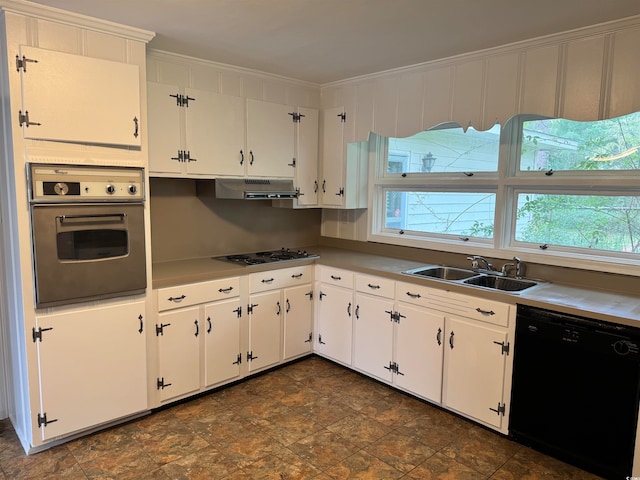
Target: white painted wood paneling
467, 94
625, 74
540, 76
502, 89
583, 67
59, 37
410, 101
364, 111
438, 94
386, 106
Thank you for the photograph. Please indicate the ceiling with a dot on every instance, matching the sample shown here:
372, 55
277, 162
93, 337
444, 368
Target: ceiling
322, 41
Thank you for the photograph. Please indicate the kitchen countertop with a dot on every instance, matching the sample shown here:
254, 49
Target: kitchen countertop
601, 305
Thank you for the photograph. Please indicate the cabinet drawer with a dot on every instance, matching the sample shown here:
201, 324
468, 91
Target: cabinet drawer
379, 286
336, 276
282, 278
196, 293
469, 306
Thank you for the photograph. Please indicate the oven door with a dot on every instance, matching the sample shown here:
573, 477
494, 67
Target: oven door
87, 252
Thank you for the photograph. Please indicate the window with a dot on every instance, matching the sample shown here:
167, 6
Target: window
549, 190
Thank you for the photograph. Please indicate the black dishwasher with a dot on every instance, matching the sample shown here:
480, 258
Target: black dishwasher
575, 392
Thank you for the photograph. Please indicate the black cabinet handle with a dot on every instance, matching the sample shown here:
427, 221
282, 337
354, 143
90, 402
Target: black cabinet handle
177, 299
357, 312
135, 127
334, 277
413, 295
439, 337
225, 290
296, 275
197, 328
485, 312
241, 157
451, 339
141, 324
279, 308
349, 309
267, 280
374, 287
251, 155
209, 325
288, 306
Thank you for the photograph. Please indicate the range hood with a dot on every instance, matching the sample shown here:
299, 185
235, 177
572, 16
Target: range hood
254, 188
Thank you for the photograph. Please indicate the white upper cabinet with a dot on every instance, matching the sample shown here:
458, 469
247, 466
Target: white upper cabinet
270, 140
76, 99
164, 128
306, 154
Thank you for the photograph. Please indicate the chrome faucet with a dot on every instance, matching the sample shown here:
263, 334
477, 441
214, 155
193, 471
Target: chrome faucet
476, 259
517, 265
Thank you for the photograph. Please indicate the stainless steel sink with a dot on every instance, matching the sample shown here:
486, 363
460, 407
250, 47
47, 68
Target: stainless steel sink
443, 273
500, 283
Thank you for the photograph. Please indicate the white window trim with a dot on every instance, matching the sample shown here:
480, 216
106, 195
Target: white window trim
507, 182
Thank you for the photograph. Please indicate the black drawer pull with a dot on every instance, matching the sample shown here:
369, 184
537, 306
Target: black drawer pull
485, 312
225, 290
414, 295
296, 275
267, 280
177, 299
333, 277
374, 287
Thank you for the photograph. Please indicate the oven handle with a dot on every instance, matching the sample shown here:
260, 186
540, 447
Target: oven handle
100, 216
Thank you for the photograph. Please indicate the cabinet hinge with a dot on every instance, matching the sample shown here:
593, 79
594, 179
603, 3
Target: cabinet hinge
36, 334
394, 316
160, 385
321, 295
343, 117
160, 328
504, 347
182, 100
500, 410
310, 338
340, 192
238, 360
250, 307
394, 368
310, 295
21, 63
293, 162
42, 420
250, 356
23, 119
238, 311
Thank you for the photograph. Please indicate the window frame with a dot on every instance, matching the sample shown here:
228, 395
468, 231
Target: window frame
506, 182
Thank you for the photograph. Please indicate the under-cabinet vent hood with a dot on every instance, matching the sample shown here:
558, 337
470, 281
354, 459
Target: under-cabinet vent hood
254, 188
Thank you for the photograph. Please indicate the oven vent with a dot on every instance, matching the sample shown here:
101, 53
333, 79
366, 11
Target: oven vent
254, 188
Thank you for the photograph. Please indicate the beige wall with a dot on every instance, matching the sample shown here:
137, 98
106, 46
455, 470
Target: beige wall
185, 225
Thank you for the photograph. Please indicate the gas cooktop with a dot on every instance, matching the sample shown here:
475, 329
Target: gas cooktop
269, 256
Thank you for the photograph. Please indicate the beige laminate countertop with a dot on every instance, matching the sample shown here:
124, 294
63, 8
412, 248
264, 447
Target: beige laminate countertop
601, 305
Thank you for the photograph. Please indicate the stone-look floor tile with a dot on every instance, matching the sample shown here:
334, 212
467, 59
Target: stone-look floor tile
435, 428
10, 446
394, 410
359, 429
284, 465
169, 444
245, 451
527, 459
363, 465
323, 449
358, 396
259, 412
325, 410
53, 463
400, 451
441, 467
481, 450
206, 464
122, 464
290, 428
107, 441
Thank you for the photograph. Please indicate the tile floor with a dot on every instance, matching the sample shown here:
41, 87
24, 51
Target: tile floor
310, 419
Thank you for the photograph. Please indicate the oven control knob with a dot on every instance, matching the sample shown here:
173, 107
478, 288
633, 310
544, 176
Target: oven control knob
132, 189
61, 188
111, 189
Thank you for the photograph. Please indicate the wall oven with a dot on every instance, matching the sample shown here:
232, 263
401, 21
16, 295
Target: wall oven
88, 232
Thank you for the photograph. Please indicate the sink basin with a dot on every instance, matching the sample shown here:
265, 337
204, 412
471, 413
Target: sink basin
443, 273
500, 283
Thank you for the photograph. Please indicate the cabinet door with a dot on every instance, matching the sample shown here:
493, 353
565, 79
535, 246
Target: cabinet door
474, 369
222, 341
307, 157
215, 130
164, 128
419, 351
71, 98
92, 366
264, 329
335, 306
333, 152
179, 352
270, 139
298, 314
373, 341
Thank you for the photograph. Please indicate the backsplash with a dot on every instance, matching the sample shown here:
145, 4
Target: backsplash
184, 225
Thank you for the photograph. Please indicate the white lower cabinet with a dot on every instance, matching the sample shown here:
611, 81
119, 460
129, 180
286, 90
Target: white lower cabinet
298, 321
418, 351
265, 310
397, 342
198, 337
178, 335
280, 315
335, 310
92, 367
222, 347
475, 370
